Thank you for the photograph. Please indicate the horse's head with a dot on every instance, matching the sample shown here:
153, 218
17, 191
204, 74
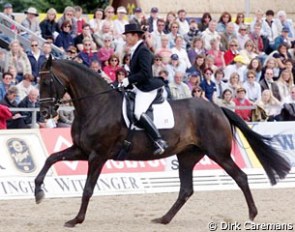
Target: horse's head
52, 89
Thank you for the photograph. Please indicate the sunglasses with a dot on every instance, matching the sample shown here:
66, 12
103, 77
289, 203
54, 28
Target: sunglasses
158, 59
233, 45
208, 73
34, 45
68, 26
114, 61
251, 77
87, 45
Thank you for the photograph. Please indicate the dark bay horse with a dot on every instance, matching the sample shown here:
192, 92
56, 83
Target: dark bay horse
98, 132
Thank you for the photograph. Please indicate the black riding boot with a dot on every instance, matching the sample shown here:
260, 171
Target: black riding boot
151, 129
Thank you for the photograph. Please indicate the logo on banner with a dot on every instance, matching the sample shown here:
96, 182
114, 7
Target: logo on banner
21, 155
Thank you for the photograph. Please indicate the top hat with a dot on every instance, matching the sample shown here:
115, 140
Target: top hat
133, 28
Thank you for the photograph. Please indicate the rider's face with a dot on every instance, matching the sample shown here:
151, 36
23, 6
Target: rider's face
131, 39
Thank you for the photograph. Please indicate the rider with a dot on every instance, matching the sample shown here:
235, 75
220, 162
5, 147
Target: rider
145, 85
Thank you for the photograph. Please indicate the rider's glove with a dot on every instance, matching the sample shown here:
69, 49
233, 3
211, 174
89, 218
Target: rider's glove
125, 82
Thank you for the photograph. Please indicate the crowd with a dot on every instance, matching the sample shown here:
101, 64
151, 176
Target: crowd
225, 60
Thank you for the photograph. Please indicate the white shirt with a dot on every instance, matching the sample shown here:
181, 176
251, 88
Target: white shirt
133, 48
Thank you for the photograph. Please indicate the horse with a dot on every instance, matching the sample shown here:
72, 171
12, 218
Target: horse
98, 131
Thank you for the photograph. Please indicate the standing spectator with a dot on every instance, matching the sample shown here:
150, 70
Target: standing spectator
152, 20
208, 85
242, 101
227, 35
170, 18
86, 33
224, 19
49, 27
17, 59
242, 35
197, 48
252, 87
25, 86
179, 90
285, 83
206, 18
183, 23
36, 58
87, 55
68, 16
96, 22
210, 33
240, 20
181, 52
217, 54
5, 84
64, 40
270, 29
112, 67
31, 22
80, 21
5, 114
268, 83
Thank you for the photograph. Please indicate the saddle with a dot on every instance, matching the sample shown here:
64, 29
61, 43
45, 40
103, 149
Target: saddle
159, 111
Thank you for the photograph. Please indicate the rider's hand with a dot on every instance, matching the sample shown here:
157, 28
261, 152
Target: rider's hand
125, 82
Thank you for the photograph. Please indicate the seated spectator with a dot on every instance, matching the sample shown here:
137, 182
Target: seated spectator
104, 33
164, 51
291, 98
252, 87
71, 52
217, 54
285, 83
69, 17
86, 34
182, 21
257, 39
289, 64
199, 65
25, 86
256, 66
218, 80
8, 11
157, 65
226, 100
96, 22
240, 20
206, 18
282, 39
32, 101
31, 22
268, 83
231, 52
198, 92
193, 33
197, 48
47, 50
272, 64
163, 74
241, 101
209, 34
179, 90
242, 36
227, 35
65, 116
249, 52
112, 67
49, 27
282, 55
174, 66
194, 80
126, 62
238, 67
270, 105
17, 120
284, 21
170, 18
181, 52
209, 63
208, 85
64, 40
96, 67
87, 55
234, 83
224, 19
120, 75
107, 50
80, 21
5, 114
5, 84
36, 58
119, 25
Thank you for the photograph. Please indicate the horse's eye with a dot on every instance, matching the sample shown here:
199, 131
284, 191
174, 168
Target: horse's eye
46, 81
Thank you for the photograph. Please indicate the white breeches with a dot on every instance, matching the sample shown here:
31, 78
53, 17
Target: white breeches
143, 100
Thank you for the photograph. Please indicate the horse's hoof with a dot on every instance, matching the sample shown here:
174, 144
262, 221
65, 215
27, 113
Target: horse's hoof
39, 196
161, 220
70, 224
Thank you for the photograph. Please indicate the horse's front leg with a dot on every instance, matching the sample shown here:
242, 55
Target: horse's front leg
95, 164
71, 153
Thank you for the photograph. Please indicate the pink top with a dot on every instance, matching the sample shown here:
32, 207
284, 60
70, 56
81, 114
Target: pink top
217, 57
111, 71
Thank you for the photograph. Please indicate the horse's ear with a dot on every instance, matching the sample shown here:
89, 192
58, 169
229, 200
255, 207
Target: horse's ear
49, 62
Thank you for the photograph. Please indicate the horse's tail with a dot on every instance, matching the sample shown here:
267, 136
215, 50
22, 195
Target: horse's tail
274, 164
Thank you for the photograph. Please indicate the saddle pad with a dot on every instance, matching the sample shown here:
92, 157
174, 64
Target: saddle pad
163, 116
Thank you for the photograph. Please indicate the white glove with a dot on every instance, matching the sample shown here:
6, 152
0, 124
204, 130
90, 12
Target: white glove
125, 82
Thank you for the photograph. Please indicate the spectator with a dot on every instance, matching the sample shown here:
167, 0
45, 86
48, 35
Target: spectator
71, 52
242, 35
290, 99
181, 52
87, 55
2, 61
217, 54
68, 16
270, 29
209, 63
31, 22
283, 21
106, 51
126, 63
36, 58
290, 66
210, 33
282, 39
227, 35
249, 52
183, 23
163, 74
253, 89
64, 40
224, 19
218, 80
119, 25
257, 39
227, 100
179, 90
5, 84
285, 83
170, 18
120, 75
174, 66
282, 55
256, 66
208, 85
164, 51
112, 67
270, 63
258, 20
194, 80
152, 20
268, 83
25, 86
96, 22
138, 17
65, 116
8, 11
157, 33
197, 92
49, 27
193, 33
234, 83
240, 20
232, 51
18, 59
47, 49
80, 21
206, 18
238, 67
96, 67
32, 101
199, 65
174, 32
196, 48
86, 33
242, 101
270, 105
5, 114
157, 65
109, 13
17, 120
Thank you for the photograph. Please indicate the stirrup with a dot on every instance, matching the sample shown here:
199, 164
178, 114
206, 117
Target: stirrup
161, 146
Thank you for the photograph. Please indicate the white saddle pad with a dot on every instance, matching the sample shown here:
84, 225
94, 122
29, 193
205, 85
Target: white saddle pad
163, 116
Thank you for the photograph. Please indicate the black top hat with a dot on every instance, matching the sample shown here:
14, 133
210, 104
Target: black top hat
133, 28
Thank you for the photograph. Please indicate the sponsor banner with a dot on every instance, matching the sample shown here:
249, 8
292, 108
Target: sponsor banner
22, 153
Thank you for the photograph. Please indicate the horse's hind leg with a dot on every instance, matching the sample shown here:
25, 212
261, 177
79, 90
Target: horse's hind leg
240, 178
71, 153
95, 164
187, 161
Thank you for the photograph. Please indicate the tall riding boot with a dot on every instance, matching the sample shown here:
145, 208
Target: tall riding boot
151, 129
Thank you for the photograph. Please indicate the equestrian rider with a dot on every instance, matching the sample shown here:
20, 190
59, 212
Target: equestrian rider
145, 85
